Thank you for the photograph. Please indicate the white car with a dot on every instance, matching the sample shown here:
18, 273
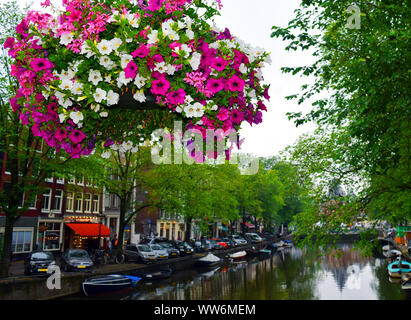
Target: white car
162, 253
254, 237
240, 241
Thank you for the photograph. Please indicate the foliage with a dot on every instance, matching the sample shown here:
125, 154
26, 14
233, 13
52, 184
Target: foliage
365, 118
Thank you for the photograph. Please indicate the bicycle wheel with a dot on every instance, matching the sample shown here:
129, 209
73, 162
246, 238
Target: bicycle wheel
120, 259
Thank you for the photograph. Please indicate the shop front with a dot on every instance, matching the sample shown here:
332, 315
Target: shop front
84, 232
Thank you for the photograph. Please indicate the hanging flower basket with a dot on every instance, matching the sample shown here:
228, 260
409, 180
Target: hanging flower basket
108, 73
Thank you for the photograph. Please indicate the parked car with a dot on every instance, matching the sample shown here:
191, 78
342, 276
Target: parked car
76, 260
140, 253
203, 246
221, 243
162, 253
253, 237
184, 248
171, 250
239, 240
230, 242
215, 245
38, 262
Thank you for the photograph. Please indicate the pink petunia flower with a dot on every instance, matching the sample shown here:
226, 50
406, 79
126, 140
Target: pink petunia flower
160, 86
76, 136
223, 115
142, 52
177, 97
215, 85
131, 70
235, 84
39, 64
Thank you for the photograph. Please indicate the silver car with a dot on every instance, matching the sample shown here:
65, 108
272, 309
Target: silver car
140, 253
161, 252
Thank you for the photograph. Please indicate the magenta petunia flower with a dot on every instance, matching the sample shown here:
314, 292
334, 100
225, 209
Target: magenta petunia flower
9, 43
235, 84
60, 134
76, 136
215, 85
131, 70
39, 64
219, 64
223, 115
177, 97
142, 52
160, 86
236, 116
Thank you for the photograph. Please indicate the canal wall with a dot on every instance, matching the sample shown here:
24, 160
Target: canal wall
35, 287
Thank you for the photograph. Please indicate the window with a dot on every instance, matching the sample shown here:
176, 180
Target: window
45, 205
115, 201
80, 181
96, 203
87, 202
22, 241
31, 201
70, 201
72, 181
49, 180
60, 180
58, 200
49, 235
106, 200
79, 202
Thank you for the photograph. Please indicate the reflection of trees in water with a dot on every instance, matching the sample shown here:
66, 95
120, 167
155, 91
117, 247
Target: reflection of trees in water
343, 263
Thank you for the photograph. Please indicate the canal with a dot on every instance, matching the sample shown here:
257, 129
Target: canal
290, 274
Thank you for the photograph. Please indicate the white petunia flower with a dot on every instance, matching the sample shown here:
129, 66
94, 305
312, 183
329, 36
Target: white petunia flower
62, 117
106, 154
189, 111
160, 67
190, 34
66, 85
112, 98
104, 114
66, 39
95, 77
122, 80
132, 20
100, 95
105, 47
153, 37
140, 96
76, 116
126, 146
95, 107
66, 74
140, 81
106, 62
170, 69
77, 88
125, 59
65, 103
243, 68
198, 110
116, 43
195, 60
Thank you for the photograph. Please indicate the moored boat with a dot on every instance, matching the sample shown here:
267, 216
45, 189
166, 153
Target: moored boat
263, 254
208, 261
399, 268
238, 255
406, 284
108, 284
161, 274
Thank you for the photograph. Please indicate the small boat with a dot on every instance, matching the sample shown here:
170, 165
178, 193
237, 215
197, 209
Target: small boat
387, 247
208, 261
406, 284
238, 255
263, 254
161, 274
398, 268
108, 284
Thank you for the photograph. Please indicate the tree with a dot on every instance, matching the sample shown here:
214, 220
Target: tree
364, 74
19, 147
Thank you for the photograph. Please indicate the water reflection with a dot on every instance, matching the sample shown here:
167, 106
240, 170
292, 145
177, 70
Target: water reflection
291, 274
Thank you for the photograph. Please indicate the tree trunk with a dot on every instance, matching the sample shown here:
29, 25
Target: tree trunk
6, 253
189, 222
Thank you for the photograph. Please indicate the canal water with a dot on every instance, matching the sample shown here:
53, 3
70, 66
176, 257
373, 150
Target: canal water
290, 274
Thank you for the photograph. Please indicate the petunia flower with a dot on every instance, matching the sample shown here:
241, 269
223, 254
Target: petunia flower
76, 136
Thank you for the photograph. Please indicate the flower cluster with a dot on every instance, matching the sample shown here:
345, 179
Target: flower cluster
74, 69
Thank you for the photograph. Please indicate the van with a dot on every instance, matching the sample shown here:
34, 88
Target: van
255, 238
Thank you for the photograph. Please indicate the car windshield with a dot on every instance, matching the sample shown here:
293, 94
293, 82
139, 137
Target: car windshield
78, 254
166, 245
156, 247
42, 256
144, 248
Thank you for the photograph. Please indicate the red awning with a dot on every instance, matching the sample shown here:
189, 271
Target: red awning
250, 225
90, 229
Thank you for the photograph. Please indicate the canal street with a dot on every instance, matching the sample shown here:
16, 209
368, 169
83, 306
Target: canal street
290, 274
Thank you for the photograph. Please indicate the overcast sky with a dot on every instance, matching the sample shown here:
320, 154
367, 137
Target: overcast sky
252, 21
